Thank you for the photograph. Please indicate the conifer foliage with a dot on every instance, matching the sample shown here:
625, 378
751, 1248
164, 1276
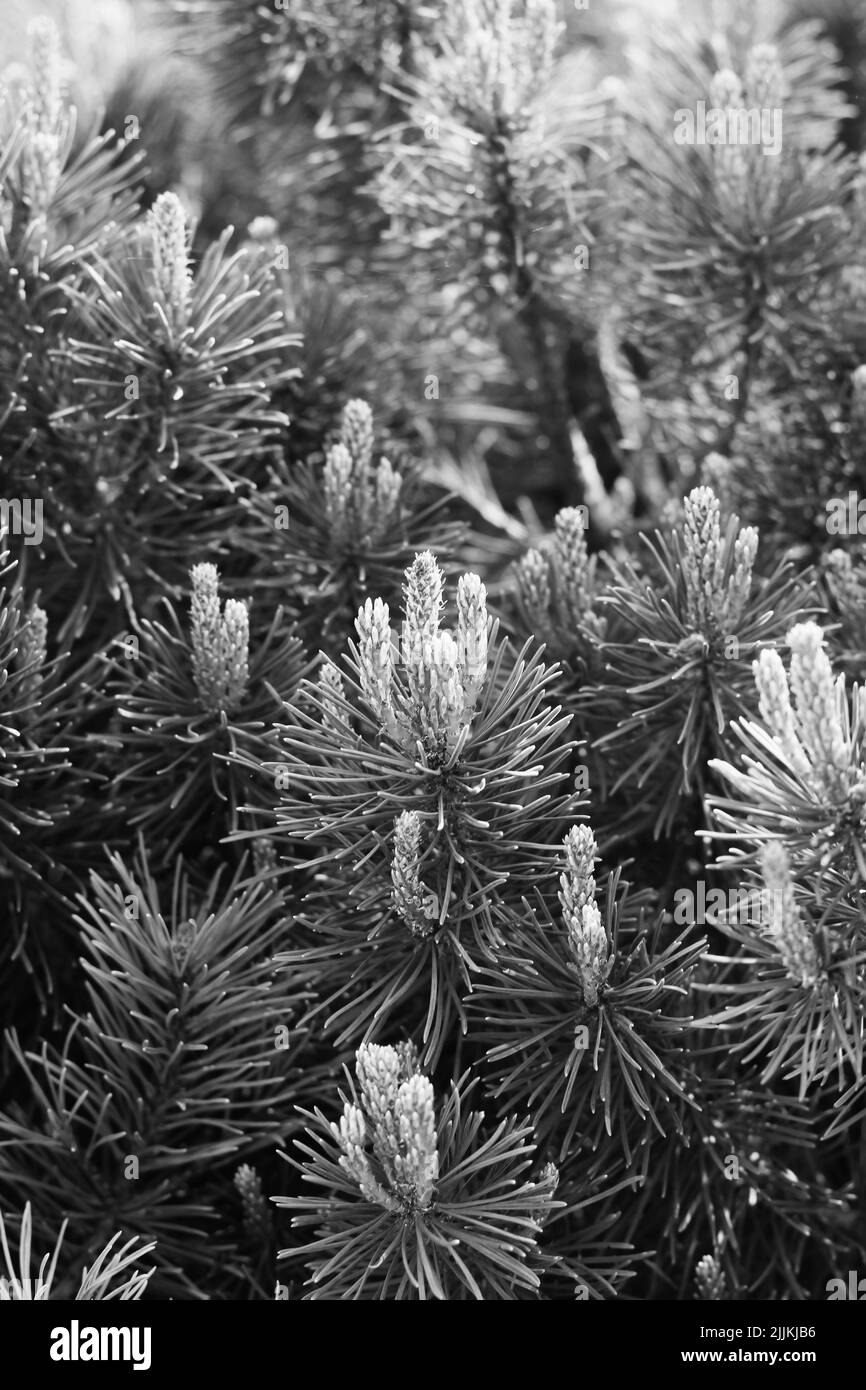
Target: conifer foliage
411, 891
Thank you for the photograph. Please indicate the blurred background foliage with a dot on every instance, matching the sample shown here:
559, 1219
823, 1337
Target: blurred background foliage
288, 111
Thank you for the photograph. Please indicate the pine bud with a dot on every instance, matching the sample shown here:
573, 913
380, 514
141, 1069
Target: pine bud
726, 90
396, 1118
740, 583
352, 1135
356, 433
549, 1179
587, 937
41, 171
572, 565
379, 1074
441, 698
205, 622
235, 653
423, 602
416, 1161
710, 1282
784, 919
764, 77
32, 652
182, 942
774, 702
820, 700
388, 488
729, 160
533, 587
589, 948
333, 696
264, 854
172, 277
353, 1129
407, 1057
360, 500
374, 632
714, 605
415, 904
703, 560
504, 59
846, 583
445, 671
255, 1208
220, 644
472, 638
577, 883
442, 672
378, 1069
337, 484
543, 30
46, 91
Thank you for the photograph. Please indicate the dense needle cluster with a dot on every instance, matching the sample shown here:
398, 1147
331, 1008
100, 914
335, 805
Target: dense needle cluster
432, 646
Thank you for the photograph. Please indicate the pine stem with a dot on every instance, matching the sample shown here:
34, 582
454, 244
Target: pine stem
536, 321
554, 409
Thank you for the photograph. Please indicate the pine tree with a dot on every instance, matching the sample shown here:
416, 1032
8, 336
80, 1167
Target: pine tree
511, 948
